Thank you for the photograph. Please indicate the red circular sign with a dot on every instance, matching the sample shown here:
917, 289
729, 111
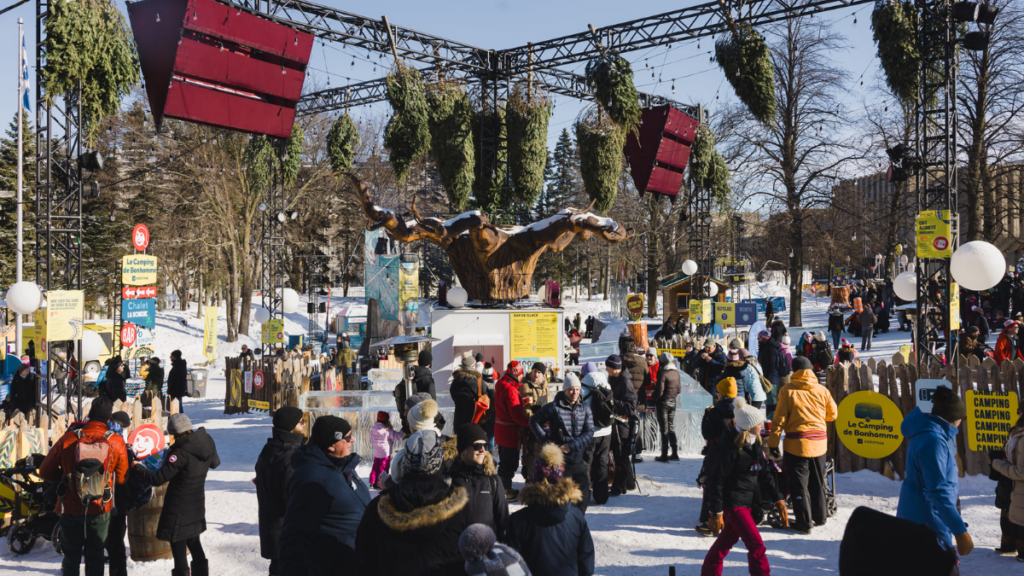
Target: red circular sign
257, 379
940, 243
146, 440
128, 334
140, 237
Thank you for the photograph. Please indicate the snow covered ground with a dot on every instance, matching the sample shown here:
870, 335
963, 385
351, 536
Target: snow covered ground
634, 534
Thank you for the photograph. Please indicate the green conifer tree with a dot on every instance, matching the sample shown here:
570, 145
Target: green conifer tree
8, 203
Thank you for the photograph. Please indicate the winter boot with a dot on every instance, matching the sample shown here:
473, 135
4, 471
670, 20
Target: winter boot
180, 572
675, 447
201, 567
664, 449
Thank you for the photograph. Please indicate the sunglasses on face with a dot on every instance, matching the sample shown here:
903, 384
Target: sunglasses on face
479, 446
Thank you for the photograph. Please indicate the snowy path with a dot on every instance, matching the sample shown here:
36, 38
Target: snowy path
635, 535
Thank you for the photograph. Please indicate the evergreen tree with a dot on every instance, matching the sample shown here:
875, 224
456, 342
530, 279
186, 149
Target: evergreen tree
542, 209
560, 175
8, 198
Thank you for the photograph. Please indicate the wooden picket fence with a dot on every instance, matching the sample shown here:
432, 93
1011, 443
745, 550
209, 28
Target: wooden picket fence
284, 380
897, 381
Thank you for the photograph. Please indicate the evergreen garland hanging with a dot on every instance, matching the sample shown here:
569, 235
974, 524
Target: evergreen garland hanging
488, 189
407, 136
708, 170
89, 40
611, 78
744, 58
342, 140
292, 154
894, 26
527, 121
600, 142
451, 144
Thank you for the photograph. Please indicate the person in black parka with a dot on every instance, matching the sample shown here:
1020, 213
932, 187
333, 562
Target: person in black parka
551, 534
24, 390
177, 380
474, 469
113, 386
465, 383
273, 471
624, 402
423, 376
183, 518
414, 527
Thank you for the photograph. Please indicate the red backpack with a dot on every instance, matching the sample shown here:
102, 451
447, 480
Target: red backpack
91, 474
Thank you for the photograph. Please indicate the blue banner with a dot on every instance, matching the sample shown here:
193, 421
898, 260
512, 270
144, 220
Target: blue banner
746, 313
139, 312
778, 303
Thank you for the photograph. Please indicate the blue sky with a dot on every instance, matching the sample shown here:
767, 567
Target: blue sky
495, 25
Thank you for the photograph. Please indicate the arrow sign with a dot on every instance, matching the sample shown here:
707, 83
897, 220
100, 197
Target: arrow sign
133, 292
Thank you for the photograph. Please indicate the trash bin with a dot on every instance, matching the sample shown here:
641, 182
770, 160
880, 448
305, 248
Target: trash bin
197, 382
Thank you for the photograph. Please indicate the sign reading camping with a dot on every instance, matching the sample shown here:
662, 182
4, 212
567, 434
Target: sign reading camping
990, 416
868, 424
138, 270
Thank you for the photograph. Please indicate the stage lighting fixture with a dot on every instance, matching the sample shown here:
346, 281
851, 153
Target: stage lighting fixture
292, 214
976, 41
974, 12
91, 160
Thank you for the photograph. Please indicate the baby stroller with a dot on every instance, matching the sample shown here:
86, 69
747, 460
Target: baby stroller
763, 511
32, 501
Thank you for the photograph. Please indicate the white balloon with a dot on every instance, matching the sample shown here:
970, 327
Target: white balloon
457, 297
289, 301
904, 260
92, 346
24, 297
978, 265
905, 286
262, 315
712, 289
689, 267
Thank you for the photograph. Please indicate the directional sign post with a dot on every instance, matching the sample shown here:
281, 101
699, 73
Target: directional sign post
133, 292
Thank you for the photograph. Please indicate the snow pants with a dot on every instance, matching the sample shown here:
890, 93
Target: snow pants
807, 488
597, 458
738, 526
379, 466
508, 463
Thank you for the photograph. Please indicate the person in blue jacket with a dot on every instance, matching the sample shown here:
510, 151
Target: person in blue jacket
568, 423
929, 491
326, 501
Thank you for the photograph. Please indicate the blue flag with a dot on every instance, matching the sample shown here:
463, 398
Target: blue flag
24, 85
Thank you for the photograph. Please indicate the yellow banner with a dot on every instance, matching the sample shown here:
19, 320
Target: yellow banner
64, 312
259, 405
990, 416
725, 313
408, 286
933, 234
673, 351
534, 336
235, 399
272, 332
700, 311
210, 333
869, 424
138, 270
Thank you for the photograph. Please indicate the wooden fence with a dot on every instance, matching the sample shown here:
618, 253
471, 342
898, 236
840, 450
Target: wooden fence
898, 382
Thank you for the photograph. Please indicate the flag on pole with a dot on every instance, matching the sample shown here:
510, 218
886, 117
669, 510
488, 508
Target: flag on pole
24, 84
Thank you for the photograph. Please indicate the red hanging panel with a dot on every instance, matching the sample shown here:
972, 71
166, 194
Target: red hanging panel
658, 157
207, 62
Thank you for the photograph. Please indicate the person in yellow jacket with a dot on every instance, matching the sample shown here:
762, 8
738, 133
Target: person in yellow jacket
803, 409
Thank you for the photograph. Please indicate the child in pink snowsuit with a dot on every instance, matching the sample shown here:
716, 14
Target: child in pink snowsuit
382, 436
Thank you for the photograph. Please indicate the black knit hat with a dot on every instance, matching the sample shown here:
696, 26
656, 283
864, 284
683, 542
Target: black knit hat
947, 405
425, 358
122, 418
101, 409
468, 435
802, 363
287, 418
540, 367
327, 430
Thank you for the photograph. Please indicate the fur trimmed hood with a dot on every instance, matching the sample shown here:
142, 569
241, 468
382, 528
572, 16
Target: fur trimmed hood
450, 449
543, 493
467, 373
424, 516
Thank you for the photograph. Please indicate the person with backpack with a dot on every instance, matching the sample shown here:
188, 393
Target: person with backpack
177, 380
567, 423
835, 324
597, 394
666, 387
132, 495
183, 518
88, 462
754, 378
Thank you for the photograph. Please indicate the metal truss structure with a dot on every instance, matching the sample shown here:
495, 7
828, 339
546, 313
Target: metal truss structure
58, 192
272, 252
316, 280
936, 175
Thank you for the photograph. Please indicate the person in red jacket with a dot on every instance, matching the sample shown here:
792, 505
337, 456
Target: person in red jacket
1008, 344
509, 416
83, 529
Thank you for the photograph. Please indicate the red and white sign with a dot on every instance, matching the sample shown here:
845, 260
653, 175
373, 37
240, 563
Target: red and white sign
133, 292
128, 334
257, 379
140, 237
941, 243
146, 440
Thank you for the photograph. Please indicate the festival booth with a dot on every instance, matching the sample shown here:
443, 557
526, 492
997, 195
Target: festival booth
676, 295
